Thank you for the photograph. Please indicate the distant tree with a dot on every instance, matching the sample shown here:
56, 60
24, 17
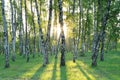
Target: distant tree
21, 30
13, 22
74, 42
33, 23
26, 36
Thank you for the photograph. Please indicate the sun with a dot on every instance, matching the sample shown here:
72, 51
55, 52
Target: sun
59, 30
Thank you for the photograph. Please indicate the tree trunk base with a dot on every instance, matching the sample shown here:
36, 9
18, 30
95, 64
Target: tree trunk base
94, 64
101, 59
7, 66
28, 59
44, 65
74, 60
62, 62
13, 58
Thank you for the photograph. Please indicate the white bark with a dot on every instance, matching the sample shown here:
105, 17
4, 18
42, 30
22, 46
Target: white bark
5, 36
41, 35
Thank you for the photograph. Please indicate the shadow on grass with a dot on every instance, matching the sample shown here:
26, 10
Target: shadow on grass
63, 75
54, 70
38, 73
84, 73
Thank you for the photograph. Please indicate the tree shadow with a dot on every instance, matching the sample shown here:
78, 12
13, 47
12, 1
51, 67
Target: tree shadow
38, 73
54, 70
63, 75
86, 75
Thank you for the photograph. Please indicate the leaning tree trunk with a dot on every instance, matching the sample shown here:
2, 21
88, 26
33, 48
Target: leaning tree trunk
5, 36
62, 36
100, 36
41, 36
26, 36
104, 22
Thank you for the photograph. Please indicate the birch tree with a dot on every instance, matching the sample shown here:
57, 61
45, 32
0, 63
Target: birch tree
41, 39
33, 23
5, 36
21, 30
74, 42
103, 33
100, 36
48, 31
26, 35
13, 21
62, 36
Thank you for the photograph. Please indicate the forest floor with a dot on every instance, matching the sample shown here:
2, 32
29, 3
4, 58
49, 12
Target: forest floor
81, 70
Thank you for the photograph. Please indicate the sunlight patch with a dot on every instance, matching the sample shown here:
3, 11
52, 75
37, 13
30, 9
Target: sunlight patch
83, 68
31, 72
47, 73
73, 73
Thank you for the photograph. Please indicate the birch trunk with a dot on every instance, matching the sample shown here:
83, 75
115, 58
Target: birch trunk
95, 37
104, 22
26, 35
55, 31
5, 36
74, 43
33, 23
41, 39
101, 35
47, 44
88, 28
13, 21
79, 32
82, 27
20, 30
62, 36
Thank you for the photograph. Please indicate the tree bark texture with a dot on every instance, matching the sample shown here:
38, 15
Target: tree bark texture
5, 36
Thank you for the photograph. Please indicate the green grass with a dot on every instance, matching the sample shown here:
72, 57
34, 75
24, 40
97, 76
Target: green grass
81, 70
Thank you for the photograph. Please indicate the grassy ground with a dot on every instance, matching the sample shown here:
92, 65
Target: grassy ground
81, 70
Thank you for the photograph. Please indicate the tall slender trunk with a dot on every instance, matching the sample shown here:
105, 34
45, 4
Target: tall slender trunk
79, 32
48, 31
41, 36
100, 36
62, 36
55, 31
26, 35
5, 36
104, 22
39, 45
74, 43
82, 27
88, 27
95, 36
33, 24
13, 21
20, 30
